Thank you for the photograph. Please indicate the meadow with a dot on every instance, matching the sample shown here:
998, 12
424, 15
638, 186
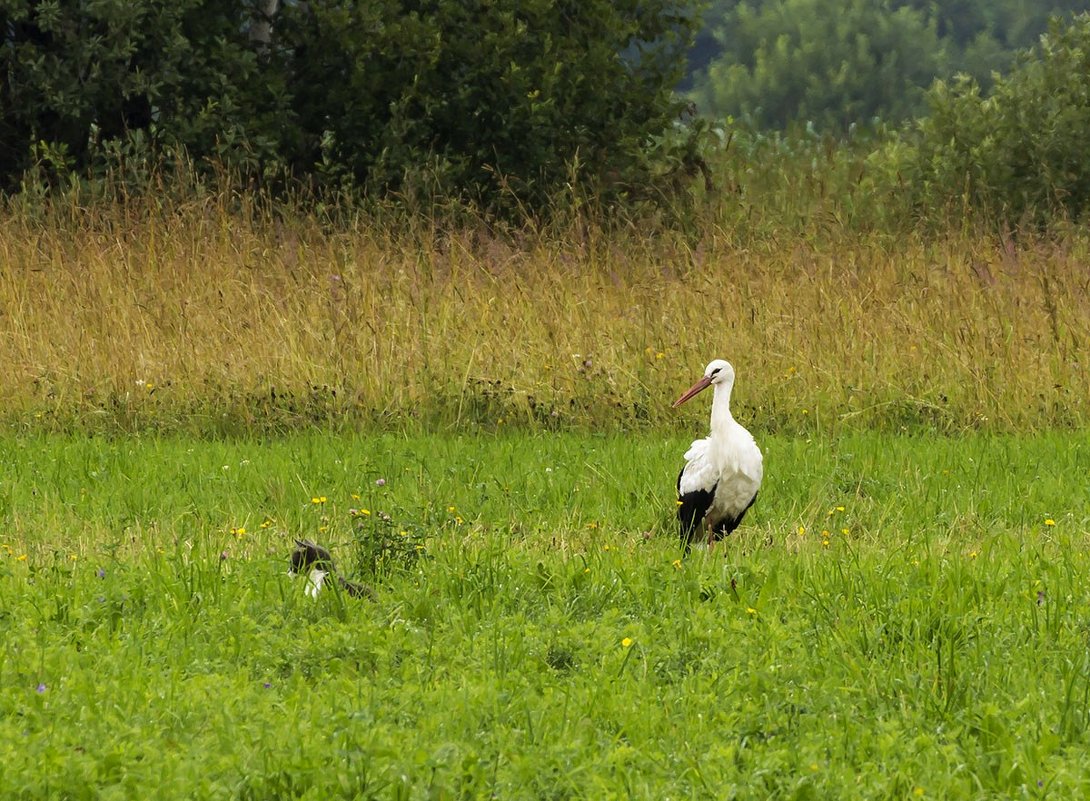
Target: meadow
204, 317
477, 422
899, 617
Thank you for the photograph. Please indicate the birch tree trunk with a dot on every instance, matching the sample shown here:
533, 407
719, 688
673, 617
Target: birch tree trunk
261, 32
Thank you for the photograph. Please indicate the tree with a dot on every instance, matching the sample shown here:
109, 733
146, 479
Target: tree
1019, 154
505, 101
499, 102
778, 62
75, 76
985, 36
828, 62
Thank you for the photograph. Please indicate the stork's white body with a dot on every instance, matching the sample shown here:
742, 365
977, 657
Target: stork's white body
723, 471
729, 466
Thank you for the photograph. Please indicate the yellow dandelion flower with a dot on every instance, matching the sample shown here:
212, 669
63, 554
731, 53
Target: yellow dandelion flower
586, 569
660, 355
266, 522
919, 790
73, 557
238, 531
627, 642
318, 499
750, 610
451, 509
365, 512
974, 554
1049, 521
21, 557
419, 547
840, 508
458, 520
355, 496
824, 543
845, 531
403, 533
802, 530
323, 528
677, 564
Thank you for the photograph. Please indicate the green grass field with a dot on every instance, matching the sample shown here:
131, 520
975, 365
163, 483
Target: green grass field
536, 632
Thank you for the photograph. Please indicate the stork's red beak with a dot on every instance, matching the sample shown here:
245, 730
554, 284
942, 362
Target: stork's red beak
696, 388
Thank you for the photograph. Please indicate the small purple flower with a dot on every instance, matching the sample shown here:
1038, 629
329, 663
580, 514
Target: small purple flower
223, 556
267, 685
1040, 783
101, 572
41, 688
1040, 597
380, 482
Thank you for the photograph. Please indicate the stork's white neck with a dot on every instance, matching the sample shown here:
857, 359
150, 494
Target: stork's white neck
722, 419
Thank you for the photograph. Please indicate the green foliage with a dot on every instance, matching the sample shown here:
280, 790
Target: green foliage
822, 61
86, 84
984, 37
499, 104
779, 62
1018, 155
505, 102
810, 183
935, 648
384, 544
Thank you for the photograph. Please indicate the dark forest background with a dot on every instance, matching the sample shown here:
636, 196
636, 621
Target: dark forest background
518, 107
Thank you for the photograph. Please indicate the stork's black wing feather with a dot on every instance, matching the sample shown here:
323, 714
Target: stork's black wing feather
691, 508
728, 524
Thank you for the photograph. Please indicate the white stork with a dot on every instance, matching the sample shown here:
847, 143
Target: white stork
723, 471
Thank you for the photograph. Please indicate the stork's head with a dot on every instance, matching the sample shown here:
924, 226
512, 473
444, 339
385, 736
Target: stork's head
718, 373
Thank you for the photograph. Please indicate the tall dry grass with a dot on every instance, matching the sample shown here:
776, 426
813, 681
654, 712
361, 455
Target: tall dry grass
219, 316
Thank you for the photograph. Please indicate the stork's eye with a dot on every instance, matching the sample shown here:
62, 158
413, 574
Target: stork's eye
715, 372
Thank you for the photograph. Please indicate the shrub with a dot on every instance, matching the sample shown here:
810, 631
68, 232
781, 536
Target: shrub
1015, 156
